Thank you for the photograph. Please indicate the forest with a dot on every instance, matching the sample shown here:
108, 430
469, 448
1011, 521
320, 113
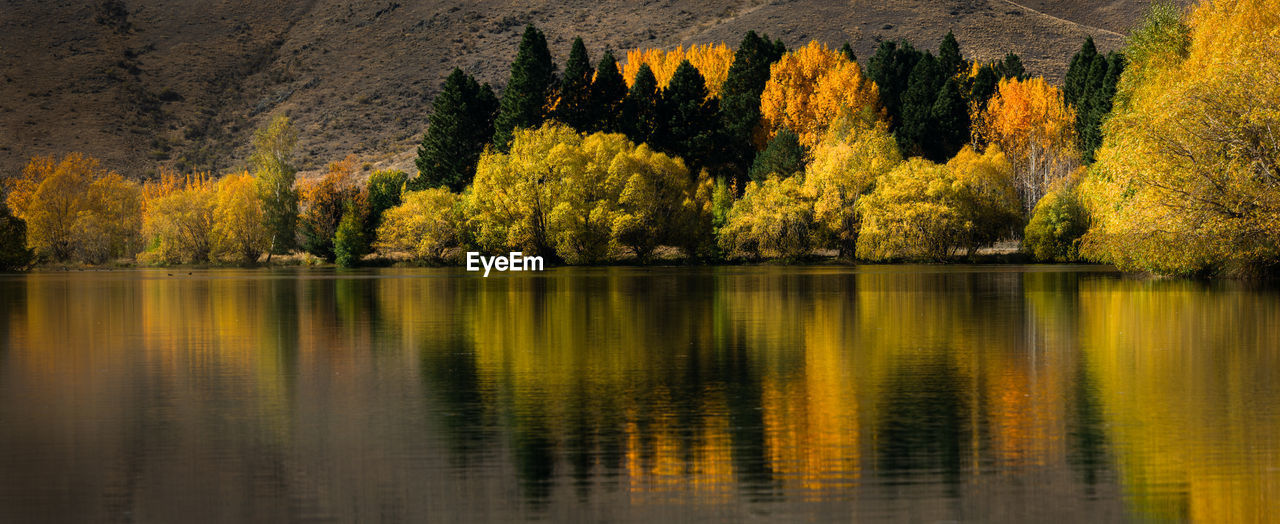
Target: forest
1162, 157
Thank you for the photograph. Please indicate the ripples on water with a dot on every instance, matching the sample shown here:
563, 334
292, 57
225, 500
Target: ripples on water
925, 393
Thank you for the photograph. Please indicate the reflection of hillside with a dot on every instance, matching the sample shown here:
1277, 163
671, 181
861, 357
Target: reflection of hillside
1187, 376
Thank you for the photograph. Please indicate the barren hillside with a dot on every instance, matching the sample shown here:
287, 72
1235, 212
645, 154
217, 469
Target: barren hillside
182, 83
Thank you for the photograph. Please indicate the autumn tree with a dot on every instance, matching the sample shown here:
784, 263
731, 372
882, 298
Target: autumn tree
608, 90
324, 201
810, 88
76, 209
784, 156
574, 105
852, 156
514, 192
526, 99
240, 230
712, 62
657, 203
178, 220
740, 97
460, 126
426, 225
1057, 226
1030, 123
1186, 179
986, 197
912, 214
640, 107
773, 218
272, 166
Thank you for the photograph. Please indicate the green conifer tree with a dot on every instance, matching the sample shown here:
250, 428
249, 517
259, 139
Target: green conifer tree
950, 114
950, 61
529, 90
740, 98
14, 254
847, 51
784, 156
461, 123
918, 128
574, 107
687, 120
608, 90
640, 107
891, 68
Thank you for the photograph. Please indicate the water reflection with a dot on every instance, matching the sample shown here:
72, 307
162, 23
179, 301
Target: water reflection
638, 394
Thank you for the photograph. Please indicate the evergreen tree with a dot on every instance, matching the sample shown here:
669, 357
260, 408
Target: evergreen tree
274, 175
1078, 72
783, 156
687, 118
1012, 67
984, 85
740, 97
460, 125
529, 90
950, 62
14, 254
918, 128
1098, 103
640, 107
847, 51
574, 107
608, 90
891, 69
950, 114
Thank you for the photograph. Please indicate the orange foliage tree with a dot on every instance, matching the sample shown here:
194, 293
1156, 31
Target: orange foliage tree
711, 60
810, 88
324, 201
1032, 125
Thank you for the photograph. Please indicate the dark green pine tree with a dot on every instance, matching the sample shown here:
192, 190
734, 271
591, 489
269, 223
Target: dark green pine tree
847, 51
950, 61
891, 68
1012, 67
688, 120
784, 156
984, 85
740, 98
950, 114
460, 125
1078, 72
918, 128
574, 107
640, 107
529, 90
1098, 104
608, 90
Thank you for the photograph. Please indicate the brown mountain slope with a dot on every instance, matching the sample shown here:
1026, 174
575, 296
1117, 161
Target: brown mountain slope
182, 83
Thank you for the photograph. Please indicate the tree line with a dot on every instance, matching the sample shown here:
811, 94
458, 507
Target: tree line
1139, 160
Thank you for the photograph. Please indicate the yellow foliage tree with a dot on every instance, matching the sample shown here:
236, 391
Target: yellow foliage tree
1032, 125
1187, 178
240, 231
425, 225
178, 219
773, 218
75, 208
986, 195
810, 88
846, 164
711, 60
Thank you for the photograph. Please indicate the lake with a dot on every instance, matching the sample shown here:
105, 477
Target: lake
980, 393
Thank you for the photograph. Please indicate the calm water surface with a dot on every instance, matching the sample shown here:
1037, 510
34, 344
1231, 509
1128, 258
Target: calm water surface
687, 394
